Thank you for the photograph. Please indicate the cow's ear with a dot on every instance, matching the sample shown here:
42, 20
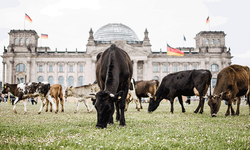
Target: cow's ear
118, 95
98, 56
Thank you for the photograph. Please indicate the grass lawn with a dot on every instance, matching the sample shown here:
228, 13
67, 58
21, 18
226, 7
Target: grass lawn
158, 130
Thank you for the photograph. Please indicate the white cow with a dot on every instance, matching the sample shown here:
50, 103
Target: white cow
82, 93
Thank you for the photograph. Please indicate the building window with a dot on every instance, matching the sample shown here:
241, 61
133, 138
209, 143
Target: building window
195, 67
175, 68
165, 69
214, 82
185, 67
20, 68
20, 80
50, 68
70, 68
60, 80
60, 68
16, 41
80, 81
155, 78
81, 68
40, 68
218, 41
214, 68
207, 42
71, 81
27, 41
40, 79
212, 41
155, 68
51, 80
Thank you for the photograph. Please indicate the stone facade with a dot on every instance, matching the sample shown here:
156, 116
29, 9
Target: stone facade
24, 61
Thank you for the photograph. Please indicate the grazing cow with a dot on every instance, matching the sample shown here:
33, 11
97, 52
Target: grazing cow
146, 89
23, 91
82, 93
187, 83
132, 96
56, 92
113, 74
232, 82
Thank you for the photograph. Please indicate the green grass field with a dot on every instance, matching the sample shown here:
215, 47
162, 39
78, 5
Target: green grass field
158, 130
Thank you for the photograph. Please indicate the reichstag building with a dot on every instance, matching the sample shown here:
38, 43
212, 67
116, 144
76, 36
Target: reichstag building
24, 60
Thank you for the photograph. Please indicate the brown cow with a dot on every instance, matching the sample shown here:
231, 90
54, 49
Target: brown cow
232, 81
56, 92
145, 89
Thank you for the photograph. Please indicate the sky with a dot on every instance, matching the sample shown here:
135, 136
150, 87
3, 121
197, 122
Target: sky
68, 22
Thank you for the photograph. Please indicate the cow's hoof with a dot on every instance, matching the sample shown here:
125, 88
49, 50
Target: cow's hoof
46, 110
183, 111
50, 110
138, 109
15, 111
195, 112
75, 112
24, 113
226, 114
90, 111
62, 110
39, 113
200, 112
122, 125
56, 112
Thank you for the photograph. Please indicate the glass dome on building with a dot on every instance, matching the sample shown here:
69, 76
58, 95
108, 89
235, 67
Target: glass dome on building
116, 32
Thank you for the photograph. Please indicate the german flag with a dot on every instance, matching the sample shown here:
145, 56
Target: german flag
27, 17
44, 36
207, 21
174, 52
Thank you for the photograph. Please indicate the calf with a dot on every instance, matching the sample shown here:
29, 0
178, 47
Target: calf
232, 82
23, 91
113, 74
146, 89
132, 96
82, 93
56, 92
187, 83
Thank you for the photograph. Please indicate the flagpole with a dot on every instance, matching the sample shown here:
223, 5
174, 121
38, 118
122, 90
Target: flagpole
167, 59
24, 21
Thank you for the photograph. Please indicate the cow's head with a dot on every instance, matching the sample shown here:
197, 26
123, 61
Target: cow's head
214, 101
153, 103
6, 89
68, 92
105, 107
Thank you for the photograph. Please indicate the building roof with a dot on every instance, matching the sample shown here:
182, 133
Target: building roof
115, 31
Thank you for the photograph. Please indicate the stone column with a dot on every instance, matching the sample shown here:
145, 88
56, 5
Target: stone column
161, 70
93, 71
56, 73
46, 71
3, 74
66, 83
11, 72
28, 69
76, 74
145, 70
135, 69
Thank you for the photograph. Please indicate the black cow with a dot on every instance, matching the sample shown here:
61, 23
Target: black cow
187, 83
113, 74
23, 91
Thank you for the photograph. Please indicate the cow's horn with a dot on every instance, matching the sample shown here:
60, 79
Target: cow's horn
119, 97
111, 95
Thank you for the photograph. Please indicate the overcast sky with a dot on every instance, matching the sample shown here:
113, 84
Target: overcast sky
67, 22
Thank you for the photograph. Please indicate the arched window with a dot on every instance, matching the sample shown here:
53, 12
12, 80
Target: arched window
212, 41
27, 41
40, 68
40, 79
16, 41
213, 82
214, 68
20, 68
155, 78
20, 80
60, 81
80, 81
218, 41
155, 68
51, 80
71, 81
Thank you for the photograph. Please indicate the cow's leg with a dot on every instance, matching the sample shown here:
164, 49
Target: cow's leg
62, 102
57, 103
50, 106
86, 103
181, 102
140, 102
238, 106
15, 103
117, 106
171, 99
24, 104
122, 107
42, 104
229, 105
78, 104
47, 105
137, 104
232, 110
51, 100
